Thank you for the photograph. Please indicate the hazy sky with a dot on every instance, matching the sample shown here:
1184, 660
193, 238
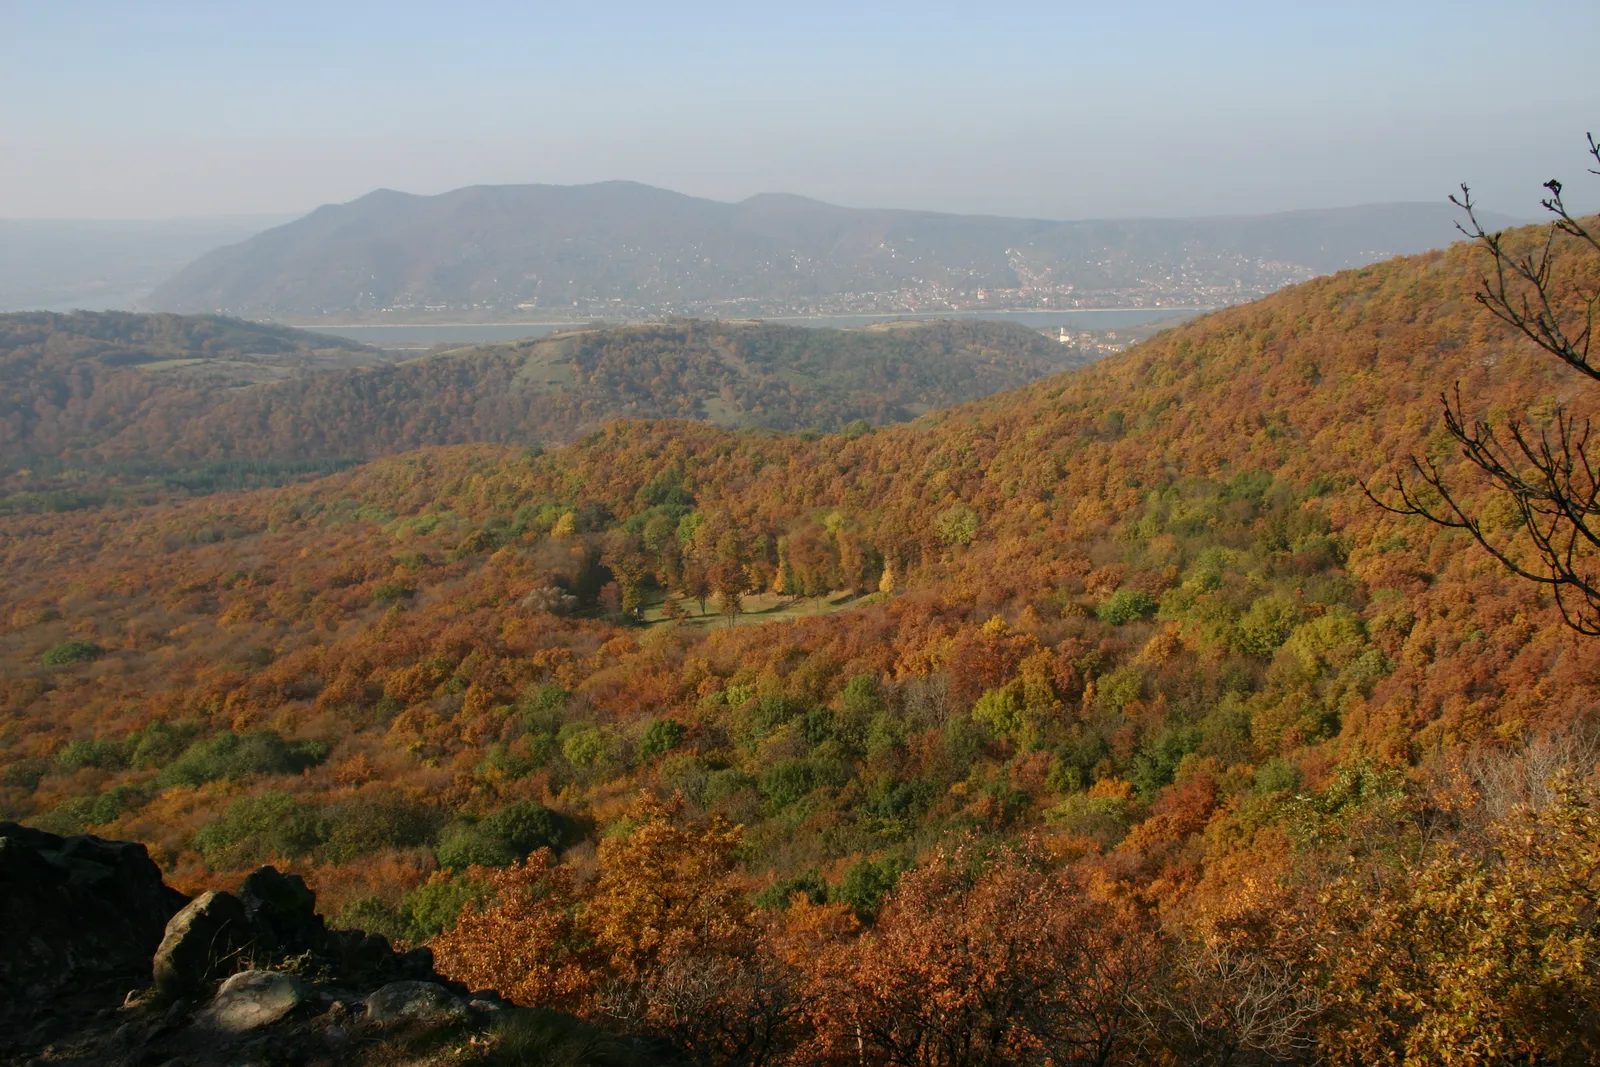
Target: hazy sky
138, 109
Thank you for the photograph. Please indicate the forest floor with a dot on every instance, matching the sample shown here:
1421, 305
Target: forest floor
758, 608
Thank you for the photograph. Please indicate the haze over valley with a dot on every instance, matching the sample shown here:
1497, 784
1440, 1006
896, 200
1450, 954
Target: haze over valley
622, 250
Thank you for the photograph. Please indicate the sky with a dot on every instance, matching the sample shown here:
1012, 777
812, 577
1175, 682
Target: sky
145, 109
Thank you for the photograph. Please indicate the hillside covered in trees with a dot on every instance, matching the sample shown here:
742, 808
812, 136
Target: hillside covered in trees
116, 392
70, 382
1273, 774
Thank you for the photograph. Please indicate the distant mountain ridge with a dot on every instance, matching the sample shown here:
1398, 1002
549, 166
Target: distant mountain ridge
637, 250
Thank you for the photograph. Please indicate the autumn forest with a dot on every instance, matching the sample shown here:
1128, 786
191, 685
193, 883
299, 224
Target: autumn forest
794, 697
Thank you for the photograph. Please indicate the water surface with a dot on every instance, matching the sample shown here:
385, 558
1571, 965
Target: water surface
430, 334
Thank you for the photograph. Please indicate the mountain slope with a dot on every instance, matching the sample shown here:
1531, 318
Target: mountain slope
628, 247
73, 381
125, 389
1138, 613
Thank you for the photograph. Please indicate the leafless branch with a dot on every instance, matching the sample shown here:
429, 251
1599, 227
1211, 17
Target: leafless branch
1549, 475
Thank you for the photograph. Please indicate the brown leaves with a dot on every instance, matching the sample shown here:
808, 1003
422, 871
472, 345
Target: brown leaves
527, 944
1475, 955
983, 959
663, 885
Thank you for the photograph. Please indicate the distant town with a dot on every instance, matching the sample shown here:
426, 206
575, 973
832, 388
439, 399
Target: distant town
1179, 288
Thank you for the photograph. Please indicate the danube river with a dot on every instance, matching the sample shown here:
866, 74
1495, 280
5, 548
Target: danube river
430, 334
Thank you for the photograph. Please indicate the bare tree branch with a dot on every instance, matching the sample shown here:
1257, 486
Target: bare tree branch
1548, 474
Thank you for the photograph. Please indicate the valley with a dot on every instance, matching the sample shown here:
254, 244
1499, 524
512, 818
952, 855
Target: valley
810, 535
1135, 622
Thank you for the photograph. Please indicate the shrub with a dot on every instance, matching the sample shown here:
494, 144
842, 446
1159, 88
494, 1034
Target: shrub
1002, 710
1102, 818
256, 829
377, 820
72, 652
465, 844
391, 592
76, 755
786, 782
964, 743
1277, 776
1225, 732
687, 774
586, 747
1119, 688
885, 734
956, 525
433, 907
82, 813
860, 699
779, 895
233, 756
1266, 626
1075, 761
160, 743
1157, 762
724, 784
1328, 643
476, 542
660, 737
759, 720
1126, 605
501, 761
527, 826
25, 773
502, 838
867, 882
373, 915
547, 698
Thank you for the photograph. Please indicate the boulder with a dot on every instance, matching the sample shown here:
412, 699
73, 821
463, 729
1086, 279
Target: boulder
487, 1002
417, 963
77, 911
252, 999
282, 911
416, 1003
201, 944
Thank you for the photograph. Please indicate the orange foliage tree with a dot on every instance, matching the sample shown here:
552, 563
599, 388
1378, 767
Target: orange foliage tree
984, 958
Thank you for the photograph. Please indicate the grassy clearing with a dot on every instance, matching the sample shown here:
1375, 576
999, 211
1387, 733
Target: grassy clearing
758, 608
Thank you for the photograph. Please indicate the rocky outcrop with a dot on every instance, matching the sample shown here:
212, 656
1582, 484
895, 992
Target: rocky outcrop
103, 965
201, 944
252, 999
282, 911
77, 911
272, 919
428, 1003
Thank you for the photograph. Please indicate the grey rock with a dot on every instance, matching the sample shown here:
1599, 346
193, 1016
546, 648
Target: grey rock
253, 999
487, 1001
200, 943
417, 1003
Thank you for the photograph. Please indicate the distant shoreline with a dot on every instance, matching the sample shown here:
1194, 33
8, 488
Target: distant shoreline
884, 315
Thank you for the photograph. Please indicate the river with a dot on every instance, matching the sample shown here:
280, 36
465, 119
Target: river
427, 335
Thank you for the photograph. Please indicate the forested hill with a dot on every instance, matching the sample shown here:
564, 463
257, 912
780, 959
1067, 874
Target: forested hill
498, 249
1126, 652
125, 389
70, 382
